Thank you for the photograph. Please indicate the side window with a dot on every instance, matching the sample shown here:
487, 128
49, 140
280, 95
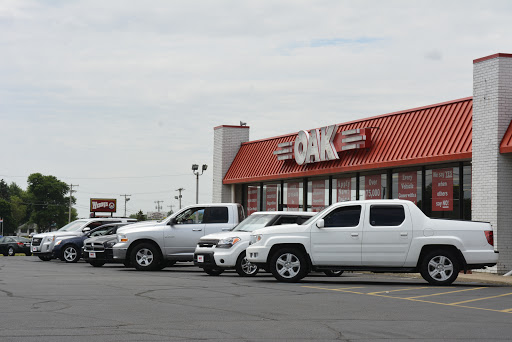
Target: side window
191, 216
286, 220
387, 215
217, 215
347, 216
241, 215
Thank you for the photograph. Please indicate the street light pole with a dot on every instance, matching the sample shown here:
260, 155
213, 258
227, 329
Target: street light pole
126, 199
195, 170
70, 196
179, 197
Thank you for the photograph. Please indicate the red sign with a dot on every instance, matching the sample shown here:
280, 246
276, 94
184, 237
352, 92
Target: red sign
408, 186
442, 190
372, 188
252, 199
292, 197
318, 201
271, 198
343, 186
103, 205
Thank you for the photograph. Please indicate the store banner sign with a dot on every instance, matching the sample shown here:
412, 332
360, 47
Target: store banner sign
408, 186
343, 187
252, 199
318, 200
292, 196
442, 190
103, 205
271, 198
372, 187
323, 144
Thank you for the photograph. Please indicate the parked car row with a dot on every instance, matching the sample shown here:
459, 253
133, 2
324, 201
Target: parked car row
10, 245
369, 235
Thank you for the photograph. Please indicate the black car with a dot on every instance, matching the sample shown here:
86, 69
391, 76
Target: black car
10, 245
70, 249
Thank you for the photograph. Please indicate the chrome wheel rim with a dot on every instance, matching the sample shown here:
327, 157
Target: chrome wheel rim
70, 254
11, 251
288, 265
247, 267
144, 257
440, 268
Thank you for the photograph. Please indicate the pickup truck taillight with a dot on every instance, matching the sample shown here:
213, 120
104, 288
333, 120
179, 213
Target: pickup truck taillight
489, 235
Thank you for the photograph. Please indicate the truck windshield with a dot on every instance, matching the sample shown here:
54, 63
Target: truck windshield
73, 226
254, 222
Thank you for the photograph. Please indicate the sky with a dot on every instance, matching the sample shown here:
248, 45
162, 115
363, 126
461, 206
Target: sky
121, 97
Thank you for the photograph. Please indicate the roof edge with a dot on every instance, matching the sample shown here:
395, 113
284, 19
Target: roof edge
496, 55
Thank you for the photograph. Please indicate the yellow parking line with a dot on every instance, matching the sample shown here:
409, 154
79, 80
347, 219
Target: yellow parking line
443, 293
343, 289
409, 289
474, 300
506, 310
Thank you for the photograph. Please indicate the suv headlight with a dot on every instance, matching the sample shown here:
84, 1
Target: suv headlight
122, 238
50, 238
228, 242
110, 244
255, 238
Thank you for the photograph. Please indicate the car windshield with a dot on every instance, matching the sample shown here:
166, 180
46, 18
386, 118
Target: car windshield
73, 226
254, 222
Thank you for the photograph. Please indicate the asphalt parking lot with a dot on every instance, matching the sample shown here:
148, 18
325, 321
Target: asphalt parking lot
55, 301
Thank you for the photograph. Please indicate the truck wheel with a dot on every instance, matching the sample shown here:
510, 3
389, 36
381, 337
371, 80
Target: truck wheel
213, 271
97, 263
146, 257
10, 251
244, 268
333, 273
288, 265
439, 267
45, 257
70, 254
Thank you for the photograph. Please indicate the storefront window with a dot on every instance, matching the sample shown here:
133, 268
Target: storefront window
253, 199
293, 192
271, 196
373, 186
318, 194
344, 188
442, 192
407, 185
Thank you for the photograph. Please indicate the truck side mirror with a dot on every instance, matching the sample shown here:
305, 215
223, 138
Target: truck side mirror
320, 223
86, 229
173, 221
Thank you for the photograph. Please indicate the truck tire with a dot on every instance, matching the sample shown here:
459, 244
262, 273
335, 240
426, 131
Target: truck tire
70, 253
440, 267
146, 257
244, 268
288, 265
333, 273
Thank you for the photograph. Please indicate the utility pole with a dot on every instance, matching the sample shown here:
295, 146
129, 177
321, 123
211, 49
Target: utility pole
171, 211
179, 197
71, 195
126, 199
158, 206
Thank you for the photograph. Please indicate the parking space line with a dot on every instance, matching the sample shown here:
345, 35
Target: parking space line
443, 293
506, 310
408, 289
474, 300
343, 289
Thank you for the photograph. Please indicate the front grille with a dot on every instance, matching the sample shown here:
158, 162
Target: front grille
207, 243
94, 247
36, 241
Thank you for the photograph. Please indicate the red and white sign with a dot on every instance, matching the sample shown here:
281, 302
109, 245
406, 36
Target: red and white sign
318, 200
408, 186
252, 199
103, 205
372, 187
442, 190
271, 198
292, 196
343, 186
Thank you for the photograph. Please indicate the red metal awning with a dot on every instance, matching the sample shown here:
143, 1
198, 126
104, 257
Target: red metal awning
430, 134
506, 142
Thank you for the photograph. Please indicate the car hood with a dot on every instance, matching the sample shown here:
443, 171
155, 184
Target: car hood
135, 227
101, 239
223, 235
282, 229
58, 234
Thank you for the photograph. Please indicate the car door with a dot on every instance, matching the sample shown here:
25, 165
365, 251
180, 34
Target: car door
387, 235
183, 232
338, 242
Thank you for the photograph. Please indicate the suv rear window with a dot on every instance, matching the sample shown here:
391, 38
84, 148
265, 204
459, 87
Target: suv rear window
387, 215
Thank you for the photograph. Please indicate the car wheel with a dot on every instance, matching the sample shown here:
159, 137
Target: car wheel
70, 254
127, 263
440, 267
288, 265
213, 271
244, 268
97, 263
28, 254
45, 257
10, 251
333, 273
146, 257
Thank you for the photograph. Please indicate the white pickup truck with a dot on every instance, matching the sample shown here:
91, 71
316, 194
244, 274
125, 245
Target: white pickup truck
377, 236
154, 245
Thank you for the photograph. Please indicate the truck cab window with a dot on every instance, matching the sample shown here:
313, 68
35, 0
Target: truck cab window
347, 216
387, 215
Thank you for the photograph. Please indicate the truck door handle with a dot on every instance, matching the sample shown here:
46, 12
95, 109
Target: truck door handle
403, 234
354, 234
226, 229
196, 230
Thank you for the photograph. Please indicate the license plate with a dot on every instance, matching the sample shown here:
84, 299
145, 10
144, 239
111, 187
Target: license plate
34, 249
200, 258
92, 255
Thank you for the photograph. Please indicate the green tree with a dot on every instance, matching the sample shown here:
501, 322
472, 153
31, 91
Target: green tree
48, 201
5, 213
4, 190
18, 211
139, 216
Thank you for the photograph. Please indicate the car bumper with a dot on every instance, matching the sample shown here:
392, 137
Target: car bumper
257, 254
220, 257
106, 256
119, 253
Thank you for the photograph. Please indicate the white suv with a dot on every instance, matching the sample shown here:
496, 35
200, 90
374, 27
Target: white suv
217, 252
